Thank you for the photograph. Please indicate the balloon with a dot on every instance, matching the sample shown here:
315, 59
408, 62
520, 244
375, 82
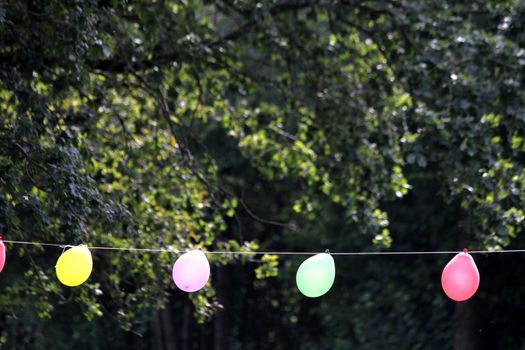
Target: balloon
2, 254
316, 275
74, 266
460, 278
191, 271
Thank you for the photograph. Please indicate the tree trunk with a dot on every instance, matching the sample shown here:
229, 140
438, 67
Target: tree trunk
466, 335
187, 320
158, 343
221, 325
168, 329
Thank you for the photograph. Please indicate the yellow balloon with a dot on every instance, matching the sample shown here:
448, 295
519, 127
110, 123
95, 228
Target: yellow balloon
74, 266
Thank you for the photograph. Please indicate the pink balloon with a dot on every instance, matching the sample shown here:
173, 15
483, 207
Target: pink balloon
460, 278
2, 255
191, 271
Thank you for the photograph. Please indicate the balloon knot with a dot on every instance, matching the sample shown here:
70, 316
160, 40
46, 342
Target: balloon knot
327, 251
1, 238
465, 250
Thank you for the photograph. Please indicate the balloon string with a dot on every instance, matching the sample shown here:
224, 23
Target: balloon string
167, 250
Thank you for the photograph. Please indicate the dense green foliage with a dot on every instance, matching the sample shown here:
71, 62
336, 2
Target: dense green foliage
277, 125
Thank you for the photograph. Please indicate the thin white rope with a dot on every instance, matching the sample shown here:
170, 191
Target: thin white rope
167, 250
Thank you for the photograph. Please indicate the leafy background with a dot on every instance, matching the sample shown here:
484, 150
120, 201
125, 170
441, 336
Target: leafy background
249, 126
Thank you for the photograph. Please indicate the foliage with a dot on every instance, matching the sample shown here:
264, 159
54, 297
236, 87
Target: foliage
239, 125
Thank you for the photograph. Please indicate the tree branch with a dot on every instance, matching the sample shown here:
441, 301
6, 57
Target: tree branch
123, 66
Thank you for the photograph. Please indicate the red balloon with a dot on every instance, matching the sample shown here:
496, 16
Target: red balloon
460, 278
2, 255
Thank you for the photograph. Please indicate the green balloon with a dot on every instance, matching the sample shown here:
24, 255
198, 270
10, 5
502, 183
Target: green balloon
316, 275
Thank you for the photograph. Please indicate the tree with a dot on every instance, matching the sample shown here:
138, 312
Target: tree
235, 125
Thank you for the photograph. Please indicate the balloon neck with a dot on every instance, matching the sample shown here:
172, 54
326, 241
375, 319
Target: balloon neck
327, 251
465, 250
1, 238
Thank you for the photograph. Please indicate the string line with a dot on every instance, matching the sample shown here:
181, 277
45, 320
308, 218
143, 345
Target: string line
166, 250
